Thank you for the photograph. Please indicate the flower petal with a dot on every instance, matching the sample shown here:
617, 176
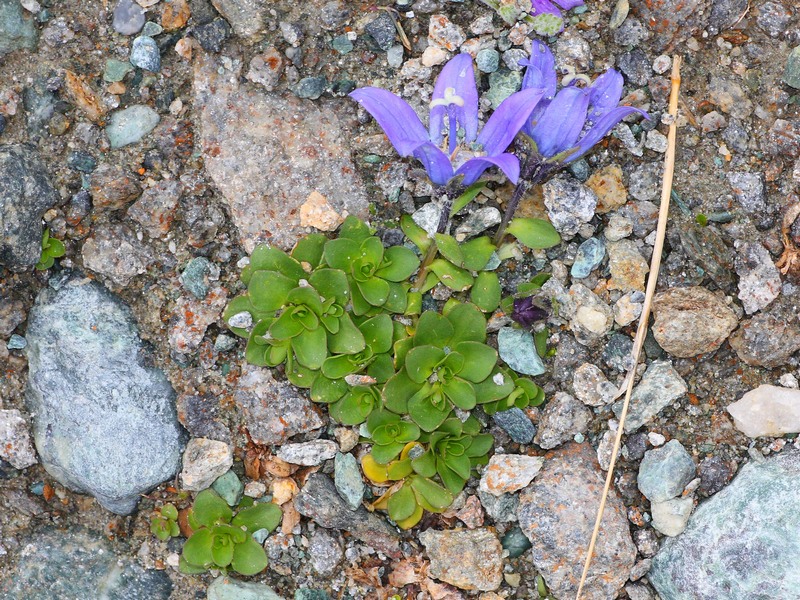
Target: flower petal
455, 95
436, 163
539, 7
504, 124
561, 123
604, 94
543, 74
474, 167
605, 124
569, 4
398, 120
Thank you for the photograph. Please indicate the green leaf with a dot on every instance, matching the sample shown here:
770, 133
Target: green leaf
381, 368
360, 305
413, 303
452, 480
261, 516
425, 464
286, 326
401, 348
309, 249
188, 569
415, 233
249, 557
486, 293
468, 322
399, 469
269, 290
402, 504
481, 444
421, 361
397, 300
311, 348
435, 496
209, 508
527, 288
534, 233
341, 253
267, 258
326, 391
540, 341
398, 264
378, 333
397, 391
55, 248
383, 453
348, 340
426, 414
372, 251
467, 197
477, 253
460, 393
374, 290
354, 228
449, 248
337, 367
489, 390
197, 549
433, 329
479, 359
331, 283
169, 511
355, 406
222, 551
305, 296
453, 277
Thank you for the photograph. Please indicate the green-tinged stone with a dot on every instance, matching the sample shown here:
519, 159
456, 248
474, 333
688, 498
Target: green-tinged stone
116, 70
501, 85
17, 30
195, 276
229, 487
515, 542
310, 594
347, 477
488, 60
130, 125
227, 588
342, 44
150, 29
791, 75
518, 350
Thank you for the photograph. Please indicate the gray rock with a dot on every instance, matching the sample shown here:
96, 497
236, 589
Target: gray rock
15, 440
744, 540
109, 430
325, 551
501, 509
228, 588
715, 473
569, 204
502, 84
590, 318
730, 97
783, 138
467, 559
347, 477
645, 184
631, 33
515, 542
203, 461
115, 252
25, 194
128, 17
488, 60
195, 277
768, 410
517, 349
16, 342
273, 410
671, 516
382, 30
590, 255
155, 208
202, 416
129, 125
759, 279
308, 454
265, 154
319, 500
665, 472
660, 386
516, 424
478, 222
635, 66
563, 417
725, 14
618, 352
748, 190
151, 29
643, 215
311, 87
557, 512
394, 56
591, 386
77, 563
247, 17
145, 55
211, 36
791, 74
17, 29
773, 18
771, 337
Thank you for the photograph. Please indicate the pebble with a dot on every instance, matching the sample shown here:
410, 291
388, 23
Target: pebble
759, 279
342, 44
617, 353
645, 182
394, 56
771, 337
516, 347
660, 386
631, 33
591, 386
662, 64
27, 194
129, 125
145, 54
308, 454
311, 87
516, 424
637, 591
515, 542
433, 55
712, 121
562, 418
635, 66
767, 410
81, 161
656, 141
627, 310
501, 509
691, 321
502, 84
488, 60
151, 29
592, 318
512, 58
765, 496
590, 254
715, 473
573, 49
748, 190
557, 512
247, 17
229, 487
347, 477
569, 204
791, 74
126, 452
605, 449
225, 587
265, 69
729, 97
670, 517
507, 473
656, 439
204, 460
106, 569
382, 29
273, 411
255, 489
16, 342
773, 18
195, 277
128, 17
444, 33
477, 222
618, 228
783, 138
665, 472
319, 500
115, 252
627, 266
607, 185
175, 14
643, 215
156, 208
466, 559
15, 440
212, 36
116, 70
325, 552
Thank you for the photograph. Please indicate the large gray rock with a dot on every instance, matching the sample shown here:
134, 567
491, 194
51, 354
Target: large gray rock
104, 421
268, 154
25, 195
741, 543
557, 511
78, 564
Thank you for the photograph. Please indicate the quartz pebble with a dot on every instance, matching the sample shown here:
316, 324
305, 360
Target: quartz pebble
130, 125
205, 460
15, 440
508, 473
128, 17
569, 204
670, 517
759, 279
767, 410
308, 454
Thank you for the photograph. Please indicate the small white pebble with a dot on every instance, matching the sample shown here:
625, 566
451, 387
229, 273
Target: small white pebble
662, 64
656, 439
255, 489
788, 380
173, 560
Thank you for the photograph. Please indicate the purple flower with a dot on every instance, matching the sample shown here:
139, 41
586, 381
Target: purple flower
453, 125
547, 19
565, 125
525, 313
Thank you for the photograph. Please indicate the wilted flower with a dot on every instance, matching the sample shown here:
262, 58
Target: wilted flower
547, 19
454, 102
526, 313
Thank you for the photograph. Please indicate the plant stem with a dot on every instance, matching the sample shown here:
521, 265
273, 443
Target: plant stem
444, 222
522, 187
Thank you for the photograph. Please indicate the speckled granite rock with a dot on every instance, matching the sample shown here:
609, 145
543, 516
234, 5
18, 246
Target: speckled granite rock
741, 543
557, 511
104, 422
467, 559
268, 153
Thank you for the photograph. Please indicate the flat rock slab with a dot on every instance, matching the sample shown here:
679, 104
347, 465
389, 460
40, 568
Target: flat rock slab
267, 154
319, 500
79, 563
557, 512
104, 422
467, 559
741, 543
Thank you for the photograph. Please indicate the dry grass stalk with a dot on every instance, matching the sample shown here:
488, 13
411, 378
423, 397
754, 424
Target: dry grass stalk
655, 264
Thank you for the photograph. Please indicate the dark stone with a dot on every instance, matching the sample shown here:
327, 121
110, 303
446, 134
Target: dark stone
725, 14
715, 473
311, 87
516, 424
319, 500
2, 124
636, 446
635, 66
202, 417
382, 30
213, 35
617, 353
203, 12
40, 106
515, 542
81, 161
771, 337
25, 194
